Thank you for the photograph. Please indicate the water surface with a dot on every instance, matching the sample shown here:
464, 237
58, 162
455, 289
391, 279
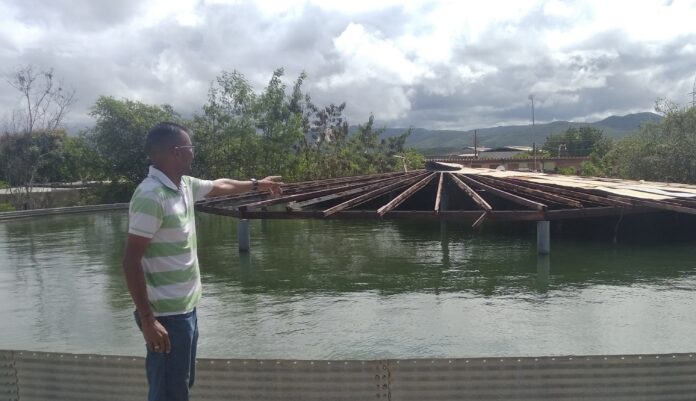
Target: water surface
355, 290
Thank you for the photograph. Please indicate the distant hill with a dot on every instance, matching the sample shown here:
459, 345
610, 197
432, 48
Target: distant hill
433, 142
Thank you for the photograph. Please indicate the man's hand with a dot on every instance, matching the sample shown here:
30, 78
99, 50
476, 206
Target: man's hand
272, 185
156, 336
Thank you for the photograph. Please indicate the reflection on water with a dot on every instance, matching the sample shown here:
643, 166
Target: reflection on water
543, 271
337, 289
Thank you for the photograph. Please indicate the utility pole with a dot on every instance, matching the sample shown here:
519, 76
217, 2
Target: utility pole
475, 145
693, 94
531, 97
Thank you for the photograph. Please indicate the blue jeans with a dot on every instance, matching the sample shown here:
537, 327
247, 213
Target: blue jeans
170, 376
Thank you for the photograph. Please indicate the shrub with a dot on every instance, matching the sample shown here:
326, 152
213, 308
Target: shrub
6, 207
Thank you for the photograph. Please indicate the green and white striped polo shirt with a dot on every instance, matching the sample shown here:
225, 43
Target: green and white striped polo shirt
161, 211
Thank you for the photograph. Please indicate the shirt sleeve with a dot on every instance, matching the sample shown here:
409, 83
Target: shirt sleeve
200, 188
145, 215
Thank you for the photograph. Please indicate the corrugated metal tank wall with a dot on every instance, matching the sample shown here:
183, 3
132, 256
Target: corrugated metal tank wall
35, 376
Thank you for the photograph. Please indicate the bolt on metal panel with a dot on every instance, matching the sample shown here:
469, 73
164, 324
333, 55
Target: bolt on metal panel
8, 377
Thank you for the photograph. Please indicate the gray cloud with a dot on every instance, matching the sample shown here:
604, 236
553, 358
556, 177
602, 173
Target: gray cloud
96, 48
631, 75
88, 15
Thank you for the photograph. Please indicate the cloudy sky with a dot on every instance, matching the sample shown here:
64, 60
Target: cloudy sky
431, 64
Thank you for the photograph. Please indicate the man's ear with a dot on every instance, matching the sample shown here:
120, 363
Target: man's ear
156, 155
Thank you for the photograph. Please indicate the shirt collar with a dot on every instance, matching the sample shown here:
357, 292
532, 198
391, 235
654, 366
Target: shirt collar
161, 177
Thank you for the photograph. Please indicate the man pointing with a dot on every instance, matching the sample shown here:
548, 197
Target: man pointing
160, 262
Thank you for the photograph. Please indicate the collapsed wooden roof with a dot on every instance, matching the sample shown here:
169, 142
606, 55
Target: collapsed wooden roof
450, 192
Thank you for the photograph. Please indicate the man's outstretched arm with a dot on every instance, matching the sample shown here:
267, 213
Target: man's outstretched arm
227, 186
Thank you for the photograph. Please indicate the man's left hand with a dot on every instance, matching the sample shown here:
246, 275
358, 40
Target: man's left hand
271, 184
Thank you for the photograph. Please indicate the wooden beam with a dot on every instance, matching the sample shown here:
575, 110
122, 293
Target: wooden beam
372, 194
304, 187
296, 197
252, 195
438, 196
665, 206
297, 188
405, 195
684, 202
480, 220
372, 185
420, 215
573, 194
365, 177
601, 211
476, 197
315, 184
458, 215
546, 196
444, 215
503, 194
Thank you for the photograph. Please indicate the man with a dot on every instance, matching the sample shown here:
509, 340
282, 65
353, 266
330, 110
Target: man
160, 262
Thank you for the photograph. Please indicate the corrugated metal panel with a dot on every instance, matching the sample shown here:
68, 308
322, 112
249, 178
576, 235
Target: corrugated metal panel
50, 376
8, 377
610, 378
291, 380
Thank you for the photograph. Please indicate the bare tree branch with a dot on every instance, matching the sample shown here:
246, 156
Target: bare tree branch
33, 133
46, 102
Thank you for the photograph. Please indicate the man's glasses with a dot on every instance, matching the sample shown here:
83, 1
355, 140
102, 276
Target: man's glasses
185, 147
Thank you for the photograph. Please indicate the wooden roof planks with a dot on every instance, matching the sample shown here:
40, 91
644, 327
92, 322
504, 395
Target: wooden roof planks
514, 196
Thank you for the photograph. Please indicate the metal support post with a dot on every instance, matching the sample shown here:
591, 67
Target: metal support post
543, 237
243, 235
543, 271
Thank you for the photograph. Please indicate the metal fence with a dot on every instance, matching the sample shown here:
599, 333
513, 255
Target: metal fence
34, 376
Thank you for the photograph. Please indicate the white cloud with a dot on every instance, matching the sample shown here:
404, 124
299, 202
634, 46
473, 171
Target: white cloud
474, 72
359, 6
369, 56
422, 63
649, 21
17, 35
183, 12
557, 8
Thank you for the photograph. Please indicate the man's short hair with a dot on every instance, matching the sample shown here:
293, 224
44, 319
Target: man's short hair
163, 135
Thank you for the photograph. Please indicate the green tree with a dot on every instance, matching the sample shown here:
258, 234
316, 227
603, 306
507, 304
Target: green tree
79, 160
659, 151
27, 157
280, 120
119, 137
225, 137
581, 142
241, 133
573, 142
376, 154
598, 165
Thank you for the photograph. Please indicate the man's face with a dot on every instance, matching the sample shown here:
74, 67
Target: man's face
183, 153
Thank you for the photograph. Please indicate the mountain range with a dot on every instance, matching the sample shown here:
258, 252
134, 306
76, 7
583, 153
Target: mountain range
439, 142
